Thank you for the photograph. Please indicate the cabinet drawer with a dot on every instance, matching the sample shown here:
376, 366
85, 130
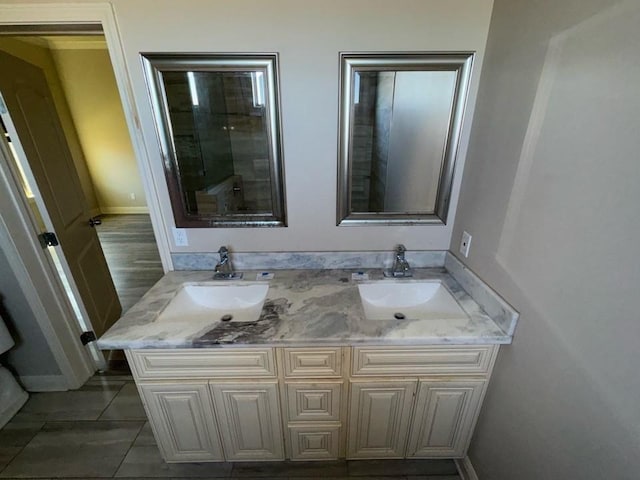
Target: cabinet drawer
314, 401
197, 363
434, 360
315, 442
313, 362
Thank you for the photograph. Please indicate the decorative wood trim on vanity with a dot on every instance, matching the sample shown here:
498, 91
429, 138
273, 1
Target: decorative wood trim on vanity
444, 414
249, 419
377, 403
314, 392
187, 405
201, 363
317, 401
432, 360
306, 363
315, 441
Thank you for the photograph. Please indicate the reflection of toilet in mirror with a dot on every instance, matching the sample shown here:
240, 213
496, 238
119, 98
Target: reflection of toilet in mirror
12, 396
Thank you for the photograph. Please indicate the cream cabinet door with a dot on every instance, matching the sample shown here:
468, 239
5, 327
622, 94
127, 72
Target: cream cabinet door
379, 418
249, 417
444, 417
183, 421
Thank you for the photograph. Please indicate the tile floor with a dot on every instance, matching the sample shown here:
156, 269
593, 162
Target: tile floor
100, 431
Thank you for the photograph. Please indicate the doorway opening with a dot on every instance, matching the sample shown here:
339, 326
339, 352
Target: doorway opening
90, 120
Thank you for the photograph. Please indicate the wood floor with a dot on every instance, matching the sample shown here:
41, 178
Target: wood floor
100, 431
132, 255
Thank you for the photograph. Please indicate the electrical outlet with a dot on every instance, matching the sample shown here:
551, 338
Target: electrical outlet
180, 237
465, 244
132, 196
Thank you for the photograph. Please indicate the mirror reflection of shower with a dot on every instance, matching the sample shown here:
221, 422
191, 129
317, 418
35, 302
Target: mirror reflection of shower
218, 123
220, 137
401, 119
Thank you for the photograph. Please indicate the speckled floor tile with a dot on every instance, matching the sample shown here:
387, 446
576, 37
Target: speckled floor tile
72, 405
401, 467
18, 433
145, 461
74, 450
125, 406
8, 453
290, 469
145, 437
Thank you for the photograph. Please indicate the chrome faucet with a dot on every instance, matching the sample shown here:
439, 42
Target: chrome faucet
224, 269
400, 266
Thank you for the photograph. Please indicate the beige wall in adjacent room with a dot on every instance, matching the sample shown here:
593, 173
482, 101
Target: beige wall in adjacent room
41, 57
89, 84
551, 195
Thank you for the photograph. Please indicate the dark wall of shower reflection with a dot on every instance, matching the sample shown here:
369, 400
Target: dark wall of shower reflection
220, 127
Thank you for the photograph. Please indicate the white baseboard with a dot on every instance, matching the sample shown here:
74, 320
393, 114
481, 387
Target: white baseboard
44, 383
124, 210
465, 469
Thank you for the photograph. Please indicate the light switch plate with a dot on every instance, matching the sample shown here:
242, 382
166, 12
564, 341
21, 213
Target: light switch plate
465, 244
180, 237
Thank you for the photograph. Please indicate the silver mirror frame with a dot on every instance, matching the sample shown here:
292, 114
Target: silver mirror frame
350, 63
154, 64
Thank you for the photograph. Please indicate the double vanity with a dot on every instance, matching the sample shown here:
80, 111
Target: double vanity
314, 364
327, 359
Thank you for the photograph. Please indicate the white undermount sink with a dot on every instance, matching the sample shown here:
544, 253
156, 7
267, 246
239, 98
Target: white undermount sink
216, 301
409, 300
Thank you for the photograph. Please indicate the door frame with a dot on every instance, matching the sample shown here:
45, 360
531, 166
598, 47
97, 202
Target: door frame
40, 283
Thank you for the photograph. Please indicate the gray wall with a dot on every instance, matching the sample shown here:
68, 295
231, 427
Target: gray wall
551, 195
31, 355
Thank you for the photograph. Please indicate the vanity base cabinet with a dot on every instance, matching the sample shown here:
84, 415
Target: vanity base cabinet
249, 419
183, 421
313, 403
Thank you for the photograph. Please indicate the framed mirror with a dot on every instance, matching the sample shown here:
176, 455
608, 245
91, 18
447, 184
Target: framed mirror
218, 123
400, 121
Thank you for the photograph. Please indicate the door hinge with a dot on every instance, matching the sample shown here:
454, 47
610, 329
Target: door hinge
87, 337
48, 239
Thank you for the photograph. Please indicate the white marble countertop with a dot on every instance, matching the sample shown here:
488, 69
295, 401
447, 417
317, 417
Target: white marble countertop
310, 307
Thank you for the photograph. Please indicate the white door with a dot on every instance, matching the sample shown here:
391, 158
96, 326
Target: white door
183, 421
35, 120
379, 418
444, 417
249, 418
